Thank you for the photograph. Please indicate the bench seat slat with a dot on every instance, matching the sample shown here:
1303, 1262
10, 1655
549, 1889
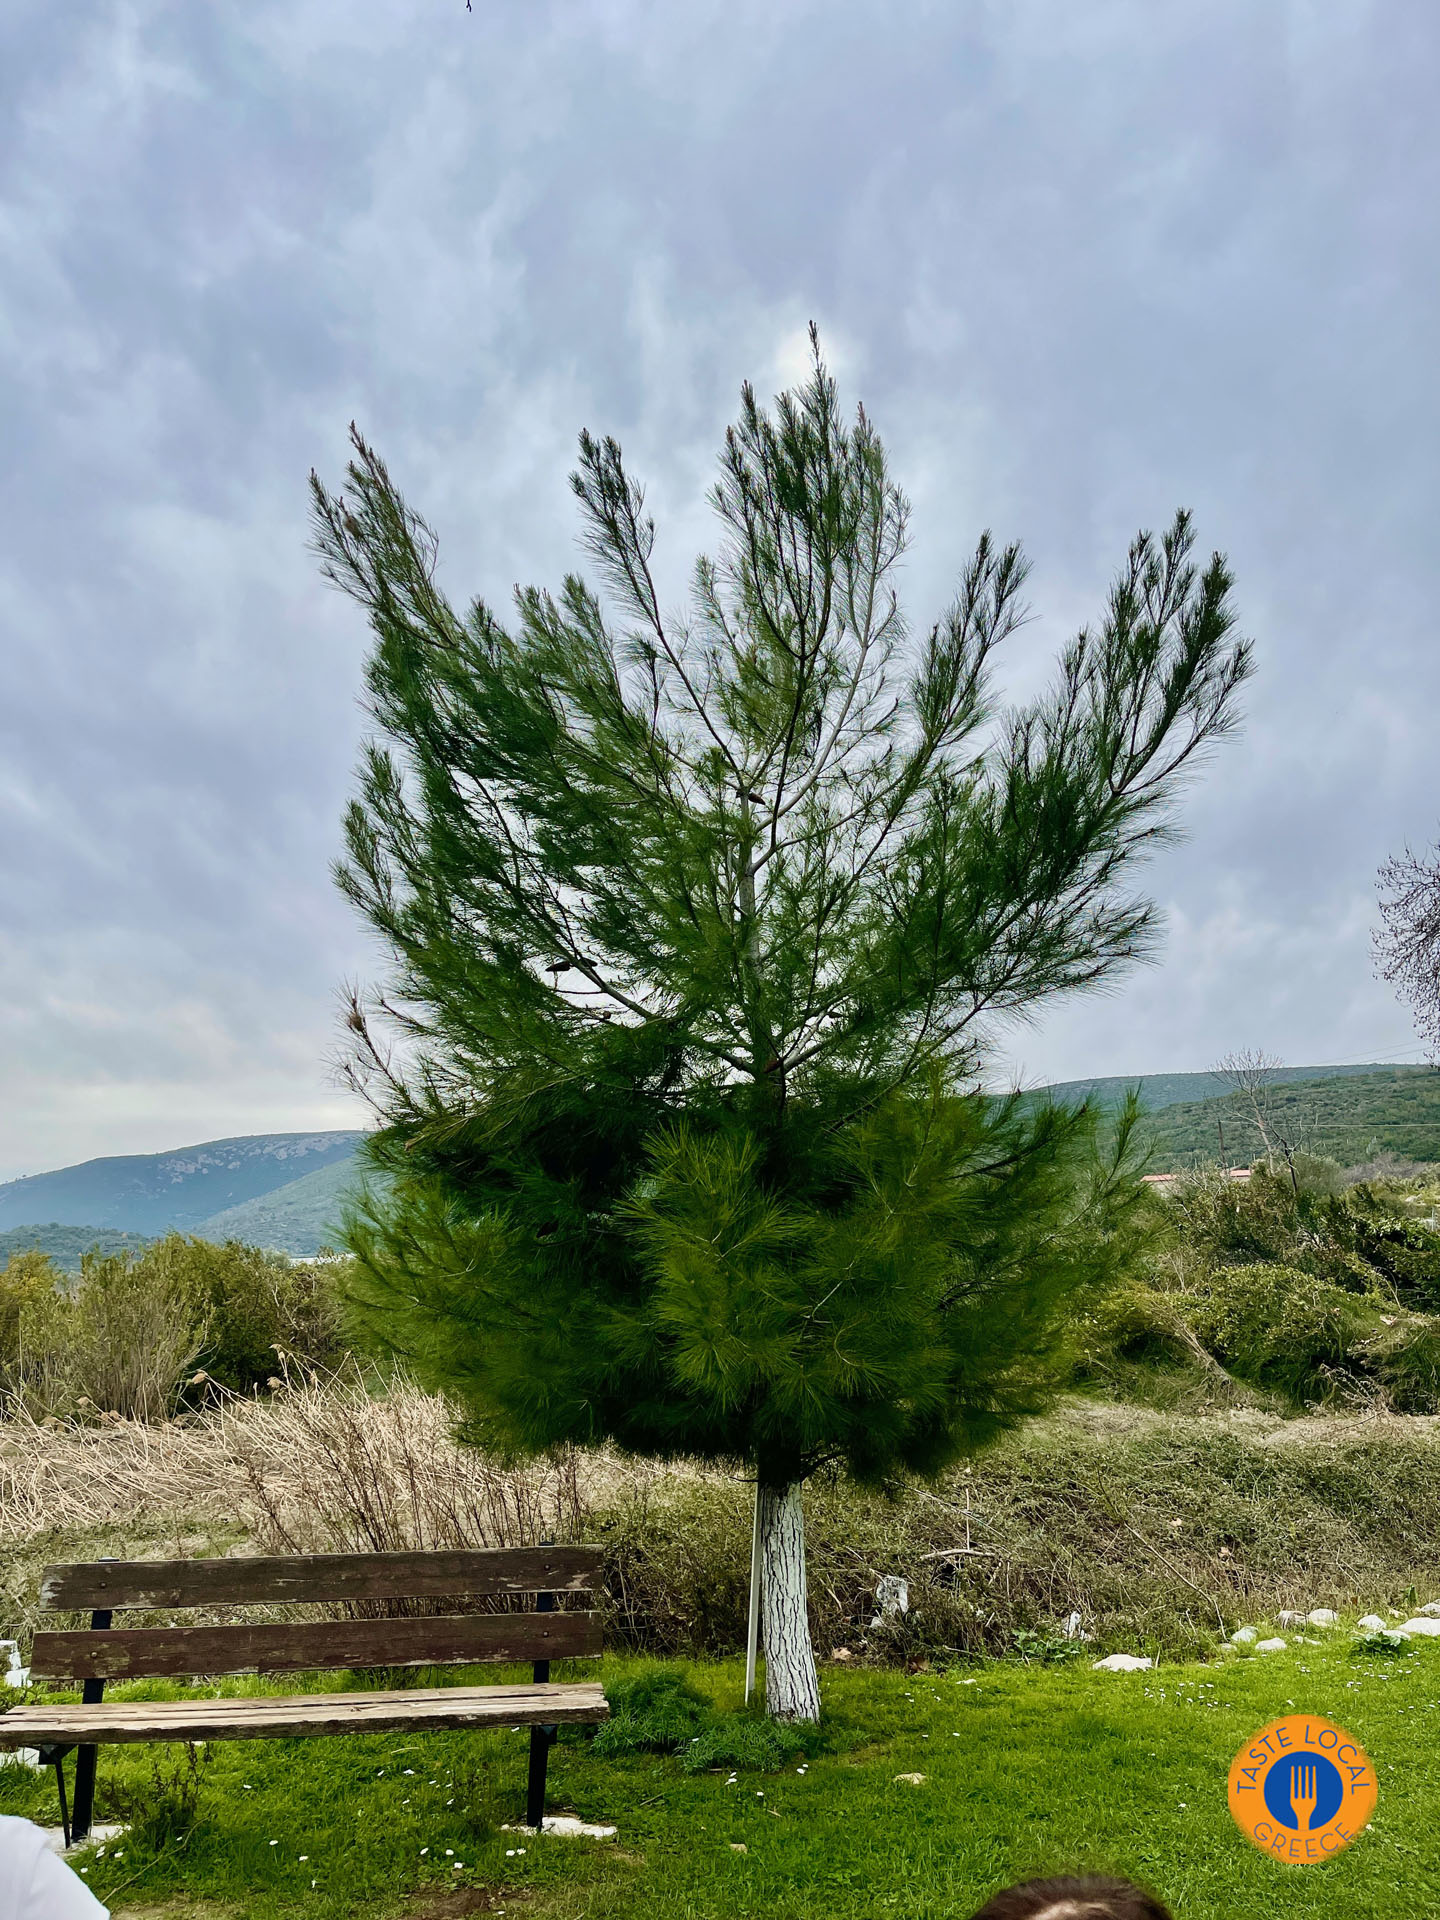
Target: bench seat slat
276, 1716
128, 1653
241, 1580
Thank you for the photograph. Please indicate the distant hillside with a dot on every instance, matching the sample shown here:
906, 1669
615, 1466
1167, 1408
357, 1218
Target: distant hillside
286, 1190
154, 1193
299, 1218
65, 1245
1351, 1119
1171, 1089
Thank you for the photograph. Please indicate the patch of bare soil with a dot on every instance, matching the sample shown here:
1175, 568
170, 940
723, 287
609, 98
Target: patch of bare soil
455, 1902
175, 1910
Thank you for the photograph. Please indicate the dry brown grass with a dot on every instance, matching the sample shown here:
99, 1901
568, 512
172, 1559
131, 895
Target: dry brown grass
65, 1477
322, 1465
1155, 1527
327, 1464
335, 1467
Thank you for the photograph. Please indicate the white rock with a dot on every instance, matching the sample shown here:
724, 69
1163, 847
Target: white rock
1424, 1625
1244, 1637
97, 1836
1287, 1618
1431, 1606
1122, 1663
568, 1826
1271, 1646
1372, 1623
1322, 1617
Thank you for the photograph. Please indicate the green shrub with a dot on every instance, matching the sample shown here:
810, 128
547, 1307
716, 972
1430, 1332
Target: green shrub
1302, 1293
1365, 1239
259, 1310
30, 1304
1314, 1173
656, 1712
1384, 1642
133, 1334
123, 1336
118, 1341
659, 1711
1279, 1327
1045, 1649
1135, 1322
745, 1742
1404, 1357
25, 1279
1384, 1234
1223, 1222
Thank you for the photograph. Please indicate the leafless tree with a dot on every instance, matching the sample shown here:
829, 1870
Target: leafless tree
1407, 941
1252, 1077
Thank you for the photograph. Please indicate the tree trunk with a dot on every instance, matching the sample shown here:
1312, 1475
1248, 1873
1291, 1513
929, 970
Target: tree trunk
792, 1690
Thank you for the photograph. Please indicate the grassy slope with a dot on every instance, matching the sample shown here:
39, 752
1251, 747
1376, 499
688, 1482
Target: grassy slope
1394, 1108
1028, 1771
299, 1218
1169, 1089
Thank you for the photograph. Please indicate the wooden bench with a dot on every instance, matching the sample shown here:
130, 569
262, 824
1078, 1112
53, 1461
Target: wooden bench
105, 1587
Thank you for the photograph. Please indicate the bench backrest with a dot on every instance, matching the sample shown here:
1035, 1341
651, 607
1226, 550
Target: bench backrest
107, 1586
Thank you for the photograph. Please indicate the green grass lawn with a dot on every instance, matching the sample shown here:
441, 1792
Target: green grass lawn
1027, 1771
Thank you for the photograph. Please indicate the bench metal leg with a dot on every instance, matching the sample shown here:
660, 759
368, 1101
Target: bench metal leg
541, 1738
60, 1753
92, 1692
85, 1758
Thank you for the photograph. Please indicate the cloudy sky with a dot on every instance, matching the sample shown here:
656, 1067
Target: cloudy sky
1084, 260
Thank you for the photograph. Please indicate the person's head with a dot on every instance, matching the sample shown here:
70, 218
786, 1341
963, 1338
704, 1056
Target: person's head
1093, 1898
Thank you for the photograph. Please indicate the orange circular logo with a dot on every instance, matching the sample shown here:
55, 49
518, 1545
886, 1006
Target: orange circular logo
1302, 1789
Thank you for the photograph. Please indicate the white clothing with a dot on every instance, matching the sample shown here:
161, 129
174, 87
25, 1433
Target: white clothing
36, 1884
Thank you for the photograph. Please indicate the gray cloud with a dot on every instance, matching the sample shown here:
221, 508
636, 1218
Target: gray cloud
1083, 264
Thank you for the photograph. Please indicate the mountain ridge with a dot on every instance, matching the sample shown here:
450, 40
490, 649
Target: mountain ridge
286, 1190
153, 1193
1160, 1090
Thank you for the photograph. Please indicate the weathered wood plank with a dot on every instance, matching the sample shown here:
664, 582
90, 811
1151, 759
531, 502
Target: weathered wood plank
325, 1577
277, 1716
127, 1653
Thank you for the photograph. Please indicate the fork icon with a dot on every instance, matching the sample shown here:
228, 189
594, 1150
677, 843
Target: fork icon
1302, 1796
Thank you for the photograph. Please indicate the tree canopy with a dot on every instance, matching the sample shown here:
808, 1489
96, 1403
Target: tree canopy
700, 927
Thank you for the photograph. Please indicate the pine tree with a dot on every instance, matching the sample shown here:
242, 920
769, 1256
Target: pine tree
700, 928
